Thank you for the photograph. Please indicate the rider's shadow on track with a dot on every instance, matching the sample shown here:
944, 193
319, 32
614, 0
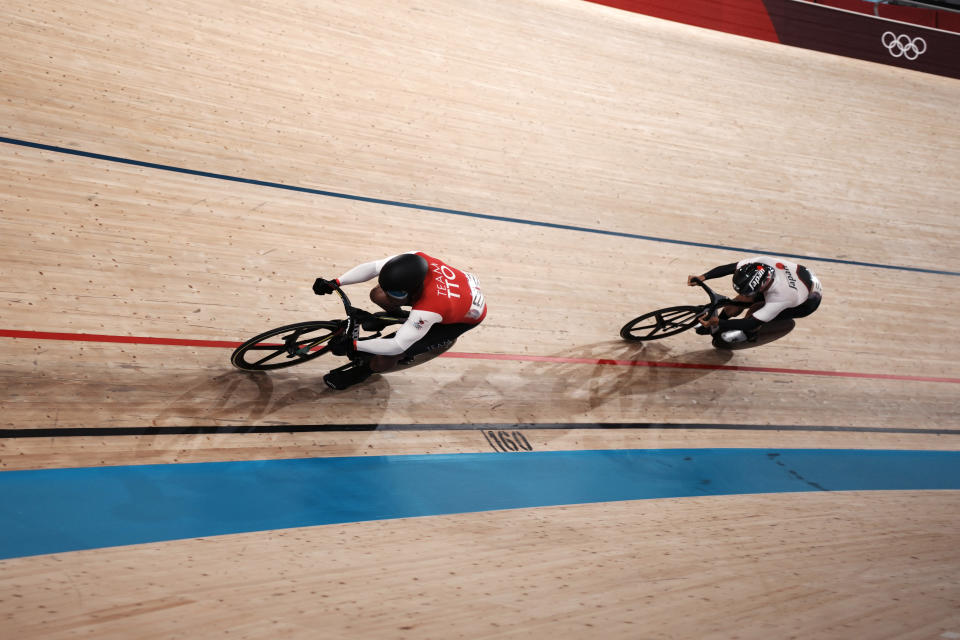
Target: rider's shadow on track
239, 398
249, 398
621, 369
246, 397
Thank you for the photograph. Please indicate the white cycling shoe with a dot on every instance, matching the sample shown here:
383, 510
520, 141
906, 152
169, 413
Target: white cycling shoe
734, 337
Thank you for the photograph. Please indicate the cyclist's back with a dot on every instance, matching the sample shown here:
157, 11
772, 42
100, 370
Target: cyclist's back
778, 288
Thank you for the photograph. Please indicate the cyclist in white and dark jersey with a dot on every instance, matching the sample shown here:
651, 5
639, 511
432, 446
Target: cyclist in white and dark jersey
446, 302
779, 289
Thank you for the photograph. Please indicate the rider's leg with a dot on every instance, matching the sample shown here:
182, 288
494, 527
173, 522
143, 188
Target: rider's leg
813, 298
439, 338
805, 309
384, 364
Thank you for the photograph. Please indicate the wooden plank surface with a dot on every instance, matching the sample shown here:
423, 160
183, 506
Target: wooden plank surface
749, 566
583, 157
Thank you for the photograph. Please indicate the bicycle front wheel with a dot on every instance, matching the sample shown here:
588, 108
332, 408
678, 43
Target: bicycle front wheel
661, 323
286, 346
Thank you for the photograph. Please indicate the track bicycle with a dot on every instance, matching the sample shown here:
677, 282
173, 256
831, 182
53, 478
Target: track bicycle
670, 321
293, 344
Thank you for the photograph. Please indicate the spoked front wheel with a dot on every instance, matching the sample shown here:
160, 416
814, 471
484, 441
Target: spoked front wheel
286, 346
661, 323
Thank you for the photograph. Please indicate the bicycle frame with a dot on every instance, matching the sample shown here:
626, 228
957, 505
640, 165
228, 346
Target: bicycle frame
355, 319
302, 341
352, 326
673, 320
353, 322
717, 301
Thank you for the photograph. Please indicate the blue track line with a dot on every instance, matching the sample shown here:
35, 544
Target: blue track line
457, 212
56, 510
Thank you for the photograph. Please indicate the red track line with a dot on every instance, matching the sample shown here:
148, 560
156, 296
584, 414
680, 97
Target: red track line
91, 337
693, 365
178, 342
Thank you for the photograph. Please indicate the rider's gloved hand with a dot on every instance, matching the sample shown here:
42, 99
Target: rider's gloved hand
322, 287
341, 346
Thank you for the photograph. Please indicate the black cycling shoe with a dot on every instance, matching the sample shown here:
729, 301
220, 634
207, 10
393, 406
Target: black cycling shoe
720, 343
343, 378
702, 330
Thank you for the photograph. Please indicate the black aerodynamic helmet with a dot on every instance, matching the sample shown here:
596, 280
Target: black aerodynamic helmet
753, 278
403, 276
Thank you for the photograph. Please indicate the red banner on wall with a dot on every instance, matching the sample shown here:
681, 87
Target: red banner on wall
742, 17
855, 35
821, 27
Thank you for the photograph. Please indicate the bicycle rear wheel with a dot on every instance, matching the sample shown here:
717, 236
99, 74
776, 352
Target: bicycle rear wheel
286, 346
661, 323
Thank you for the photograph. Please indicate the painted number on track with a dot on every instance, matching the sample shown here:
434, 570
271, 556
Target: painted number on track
505, 441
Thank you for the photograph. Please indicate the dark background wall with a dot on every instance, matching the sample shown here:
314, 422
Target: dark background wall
921, 39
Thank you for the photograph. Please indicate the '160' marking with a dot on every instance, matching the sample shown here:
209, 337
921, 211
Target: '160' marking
507, 441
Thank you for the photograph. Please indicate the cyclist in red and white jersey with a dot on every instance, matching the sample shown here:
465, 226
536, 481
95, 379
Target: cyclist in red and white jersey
778, 288
446, 302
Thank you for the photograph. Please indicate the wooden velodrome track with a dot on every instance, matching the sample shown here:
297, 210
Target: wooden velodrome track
606, 156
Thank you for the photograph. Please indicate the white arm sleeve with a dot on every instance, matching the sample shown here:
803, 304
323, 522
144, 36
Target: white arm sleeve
363, 272
416, 326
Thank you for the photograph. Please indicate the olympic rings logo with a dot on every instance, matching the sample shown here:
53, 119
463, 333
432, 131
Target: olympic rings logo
903, 45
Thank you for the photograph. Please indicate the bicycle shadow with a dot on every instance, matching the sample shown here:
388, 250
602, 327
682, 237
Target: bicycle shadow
589, 375
582, 379
247, 398
638, 368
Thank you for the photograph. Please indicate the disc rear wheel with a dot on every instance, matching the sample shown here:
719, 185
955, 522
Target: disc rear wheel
661, 323
286, 346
